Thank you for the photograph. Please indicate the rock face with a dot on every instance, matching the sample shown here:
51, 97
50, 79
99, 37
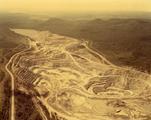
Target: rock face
70, 81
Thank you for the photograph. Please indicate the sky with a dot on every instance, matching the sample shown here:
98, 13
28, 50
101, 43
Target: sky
74, 5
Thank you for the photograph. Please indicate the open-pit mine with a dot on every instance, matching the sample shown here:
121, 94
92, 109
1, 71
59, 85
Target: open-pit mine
68, 80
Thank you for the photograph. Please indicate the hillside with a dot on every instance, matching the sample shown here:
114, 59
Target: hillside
123, 41
9, 39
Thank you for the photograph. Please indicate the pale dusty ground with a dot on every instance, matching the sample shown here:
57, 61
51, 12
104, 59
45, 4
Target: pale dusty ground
77, 83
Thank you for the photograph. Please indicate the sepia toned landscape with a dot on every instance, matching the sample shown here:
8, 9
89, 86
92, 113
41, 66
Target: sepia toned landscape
66, 61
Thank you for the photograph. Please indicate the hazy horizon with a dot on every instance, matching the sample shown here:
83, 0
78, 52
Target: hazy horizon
74, 6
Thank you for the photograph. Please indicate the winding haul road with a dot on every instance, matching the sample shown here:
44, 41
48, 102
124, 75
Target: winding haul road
12, 78
12, 89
